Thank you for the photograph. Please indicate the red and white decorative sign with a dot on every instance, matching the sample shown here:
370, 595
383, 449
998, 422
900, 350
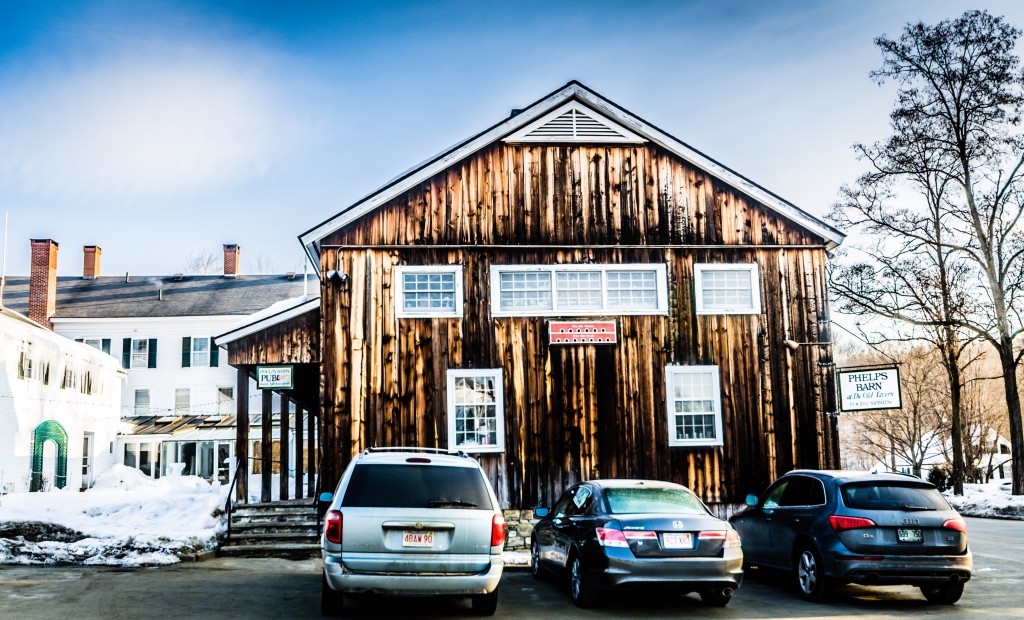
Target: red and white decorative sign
585, 332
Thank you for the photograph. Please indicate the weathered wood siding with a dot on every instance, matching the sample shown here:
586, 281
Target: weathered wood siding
295, 341
578, 412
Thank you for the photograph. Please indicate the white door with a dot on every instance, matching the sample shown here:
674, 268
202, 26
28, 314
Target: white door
87, 460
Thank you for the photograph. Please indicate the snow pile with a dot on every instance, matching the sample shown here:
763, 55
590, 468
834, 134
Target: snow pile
987, 500
126, 520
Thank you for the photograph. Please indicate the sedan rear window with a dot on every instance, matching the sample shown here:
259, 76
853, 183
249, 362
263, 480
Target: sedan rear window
416, 486
892, 496
652, 501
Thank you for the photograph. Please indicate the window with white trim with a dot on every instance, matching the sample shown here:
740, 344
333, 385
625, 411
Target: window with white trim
428, 290
182, 401
694, 405
578, 290
142, 402
225, 400
476, 410
140, 353
722, 288
200, 351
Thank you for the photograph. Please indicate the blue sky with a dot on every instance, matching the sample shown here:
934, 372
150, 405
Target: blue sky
162, 129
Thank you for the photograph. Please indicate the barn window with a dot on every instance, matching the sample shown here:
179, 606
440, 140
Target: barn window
476, 410
578, 290
694, 406
429, 291
727, 289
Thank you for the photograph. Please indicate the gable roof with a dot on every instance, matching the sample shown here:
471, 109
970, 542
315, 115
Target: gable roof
536, 115
111, 297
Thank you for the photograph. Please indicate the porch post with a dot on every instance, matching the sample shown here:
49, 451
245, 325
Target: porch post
313, 431
267, 446
286, 406
242, 434
299, 491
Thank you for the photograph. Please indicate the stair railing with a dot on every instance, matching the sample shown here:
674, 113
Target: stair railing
229, 504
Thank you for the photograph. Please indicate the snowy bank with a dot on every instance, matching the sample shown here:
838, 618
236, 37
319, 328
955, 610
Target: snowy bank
127, 519
987, 500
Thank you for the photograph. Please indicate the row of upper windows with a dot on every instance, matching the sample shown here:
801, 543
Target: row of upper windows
183, 405
74, 378
141, 352
476, 409
577, 290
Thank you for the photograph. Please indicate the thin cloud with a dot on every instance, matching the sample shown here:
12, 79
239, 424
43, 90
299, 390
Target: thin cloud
160, 123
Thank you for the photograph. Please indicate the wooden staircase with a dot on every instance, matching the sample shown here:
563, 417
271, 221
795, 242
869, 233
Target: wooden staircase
282, 529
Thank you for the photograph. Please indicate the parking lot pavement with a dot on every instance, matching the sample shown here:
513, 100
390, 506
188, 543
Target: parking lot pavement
246, 588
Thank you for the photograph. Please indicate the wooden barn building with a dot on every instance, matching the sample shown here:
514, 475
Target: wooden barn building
573, 294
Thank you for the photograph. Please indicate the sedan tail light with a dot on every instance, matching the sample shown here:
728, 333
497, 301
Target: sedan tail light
841, 523
332, 527
640, 535
730, 538
607, 537
957, 524
497, 531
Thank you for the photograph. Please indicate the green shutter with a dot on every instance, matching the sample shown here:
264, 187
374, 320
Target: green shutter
214, 354
152, 352
186, 352
105, 344
126, 353
79, 339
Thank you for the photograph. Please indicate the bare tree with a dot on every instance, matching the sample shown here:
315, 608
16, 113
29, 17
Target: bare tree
262, 265
203, 263
960, 97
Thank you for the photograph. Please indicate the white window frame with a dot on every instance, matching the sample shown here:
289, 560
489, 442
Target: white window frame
671, 372
207, 352
222, 401
660, 278
145, 355
187, 409
401, 271
149, 399
755, 287
499, 411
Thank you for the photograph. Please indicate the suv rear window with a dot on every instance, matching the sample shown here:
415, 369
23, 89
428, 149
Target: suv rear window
652, 501
416, 486
892, 496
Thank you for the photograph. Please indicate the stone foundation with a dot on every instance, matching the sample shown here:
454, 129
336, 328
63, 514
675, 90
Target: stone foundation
518, 529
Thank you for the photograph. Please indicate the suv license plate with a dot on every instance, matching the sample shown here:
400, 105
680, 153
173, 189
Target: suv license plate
418, 539
909, 536
677, 541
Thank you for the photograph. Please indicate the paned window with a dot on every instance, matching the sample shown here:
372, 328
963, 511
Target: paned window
182, 401
727, 289
140, 353
476, 411
694, 406
225, 400
200, 351
579, 290
429, 291
142, 406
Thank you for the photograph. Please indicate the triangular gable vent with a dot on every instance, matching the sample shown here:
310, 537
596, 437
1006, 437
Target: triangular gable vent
574, 123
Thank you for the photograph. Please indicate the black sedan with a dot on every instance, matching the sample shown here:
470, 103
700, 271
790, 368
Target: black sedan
618, 534
830, 527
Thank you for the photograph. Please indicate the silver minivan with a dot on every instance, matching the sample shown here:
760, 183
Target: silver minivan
410, 521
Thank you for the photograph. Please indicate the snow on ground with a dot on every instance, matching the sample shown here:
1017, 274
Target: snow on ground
128, 519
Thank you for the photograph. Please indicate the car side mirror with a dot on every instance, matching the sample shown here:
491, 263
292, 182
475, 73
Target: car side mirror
541, 512
751, 500
327, 496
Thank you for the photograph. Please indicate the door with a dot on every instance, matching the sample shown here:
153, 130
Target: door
87, 441
550, 547
755, 523
803, 499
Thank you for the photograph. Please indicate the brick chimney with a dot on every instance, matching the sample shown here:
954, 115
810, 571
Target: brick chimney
231, 252
42, 283
91, 264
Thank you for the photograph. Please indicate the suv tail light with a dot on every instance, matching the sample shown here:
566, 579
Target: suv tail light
607, 537
497, 531
840, 523
332, 527
957, 524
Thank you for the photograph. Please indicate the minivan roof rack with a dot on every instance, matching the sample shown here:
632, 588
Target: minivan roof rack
415, 449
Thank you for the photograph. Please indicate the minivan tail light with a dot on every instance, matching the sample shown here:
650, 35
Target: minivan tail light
497, 531
332, 527
840, 523
607, 537
957, 524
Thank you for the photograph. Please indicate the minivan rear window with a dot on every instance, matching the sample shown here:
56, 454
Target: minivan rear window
892, 496
416, 486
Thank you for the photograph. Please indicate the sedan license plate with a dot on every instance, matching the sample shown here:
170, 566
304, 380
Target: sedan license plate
418, 539
909, 536
677, 541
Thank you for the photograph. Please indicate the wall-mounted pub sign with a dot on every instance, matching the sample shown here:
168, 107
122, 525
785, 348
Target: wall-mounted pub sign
581, 332
864, 389
275, 377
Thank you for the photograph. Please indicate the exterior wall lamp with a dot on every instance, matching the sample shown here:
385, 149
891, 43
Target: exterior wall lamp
793, 345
